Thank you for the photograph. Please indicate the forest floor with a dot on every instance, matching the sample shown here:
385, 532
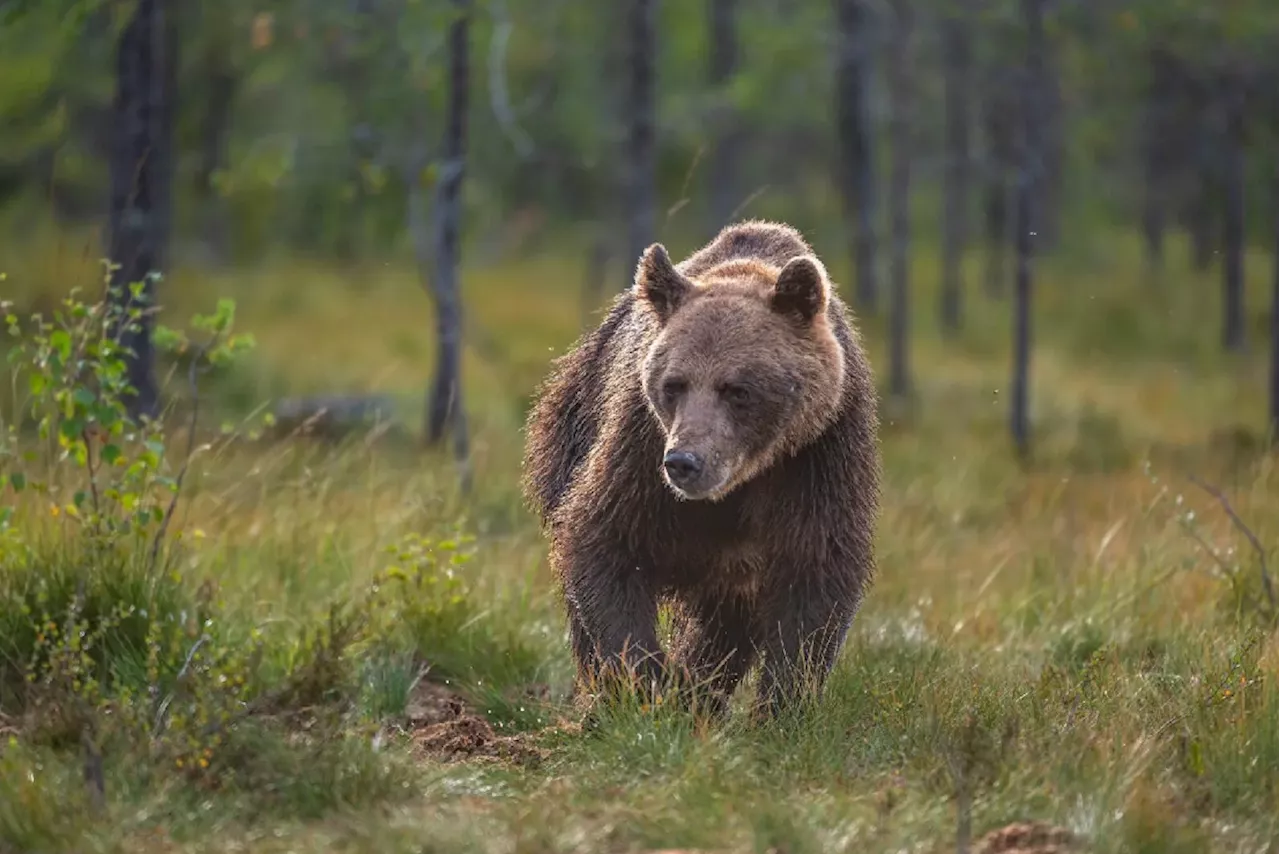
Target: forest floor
358, 658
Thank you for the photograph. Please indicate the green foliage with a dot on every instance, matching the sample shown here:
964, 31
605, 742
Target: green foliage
331, 105
107, 650
77, 390
100, 636
429, 606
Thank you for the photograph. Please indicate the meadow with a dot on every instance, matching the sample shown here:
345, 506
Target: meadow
337, 650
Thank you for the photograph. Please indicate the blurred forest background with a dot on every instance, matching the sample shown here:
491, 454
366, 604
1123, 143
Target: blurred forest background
275, 622
929, 150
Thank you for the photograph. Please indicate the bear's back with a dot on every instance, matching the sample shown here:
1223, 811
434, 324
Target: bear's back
770, 242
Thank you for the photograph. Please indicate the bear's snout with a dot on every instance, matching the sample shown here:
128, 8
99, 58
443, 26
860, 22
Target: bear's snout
693, 475
682, 467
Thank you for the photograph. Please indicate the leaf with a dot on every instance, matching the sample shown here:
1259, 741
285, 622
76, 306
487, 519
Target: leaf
71, 428
37, 382
111, 453
18, 480
60, 341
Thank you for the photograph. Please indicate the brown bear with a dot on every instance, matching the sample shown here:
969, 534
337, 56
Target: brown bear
712, 445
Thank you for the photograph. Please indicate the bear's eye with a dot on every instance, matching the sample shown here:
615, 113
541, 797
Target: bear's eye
672, 389
736, 394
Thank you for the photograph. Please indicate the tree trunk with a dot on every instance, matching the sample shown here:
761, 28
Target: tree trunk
900, 96
1025, 222
857, 159
641, 155
141, 184
445, 412
1233, 310
723, 169
958, 63
999, 110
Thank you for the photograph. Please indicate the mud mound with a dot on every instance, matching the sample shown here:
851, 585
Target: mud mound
432, 704
444, 728
1033, 837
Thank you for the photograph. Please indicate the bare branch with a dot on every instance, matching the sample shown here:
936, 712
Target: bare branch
1248, 533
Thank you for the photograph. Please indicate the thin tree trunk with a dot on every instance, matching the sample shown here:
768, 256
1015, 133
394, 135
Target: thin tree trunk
723, 169
642, 161
857, 158
1233, 309
958, 62
900, 96
445, 412
141, 184
1025, 222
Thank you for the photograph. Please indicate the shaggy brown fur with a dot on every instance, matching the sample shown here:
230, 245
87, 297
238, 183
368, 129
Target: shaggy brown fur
712, 443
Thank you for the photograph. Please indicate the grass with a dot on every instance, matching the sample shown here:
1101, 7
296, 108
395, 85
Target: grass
1051, 642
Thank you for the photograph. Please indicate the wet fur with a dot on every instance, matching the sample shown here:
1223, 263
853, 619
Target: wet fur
774, 570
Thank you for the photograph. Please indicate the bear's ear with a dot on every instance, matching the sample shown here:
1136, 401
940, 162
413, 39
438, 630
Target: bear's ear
659, 283
802, 289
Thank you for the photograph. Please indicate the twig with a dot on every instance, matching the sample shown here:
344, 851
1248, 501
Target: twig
747, 201
1209, 549
1228, 571
688, 179
186, 462
1248, 533
186, 665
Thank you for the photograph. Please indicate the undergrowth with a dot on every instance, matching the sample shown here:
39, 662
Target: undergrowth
214, 641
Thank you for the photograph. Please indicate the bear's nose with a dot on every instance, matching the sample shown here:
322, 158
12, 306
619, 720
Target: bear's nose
682, 466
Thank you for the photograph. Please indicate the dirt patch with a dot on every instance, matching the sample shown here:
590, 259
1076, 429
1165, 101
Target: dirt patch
1032, 837
432, 704
444, 728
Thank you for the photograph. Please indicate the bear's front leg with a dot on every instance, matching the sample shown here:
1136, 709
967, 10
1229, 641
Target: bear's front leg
613, 617
714, 649
804, 624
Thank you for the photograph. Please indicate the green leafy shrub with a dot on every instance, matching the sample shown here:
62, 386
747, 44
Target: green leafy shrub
101, 638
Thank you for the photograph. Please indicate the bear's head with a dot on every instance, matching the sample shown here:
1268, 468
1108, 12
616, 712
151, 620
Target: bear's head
745, 367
